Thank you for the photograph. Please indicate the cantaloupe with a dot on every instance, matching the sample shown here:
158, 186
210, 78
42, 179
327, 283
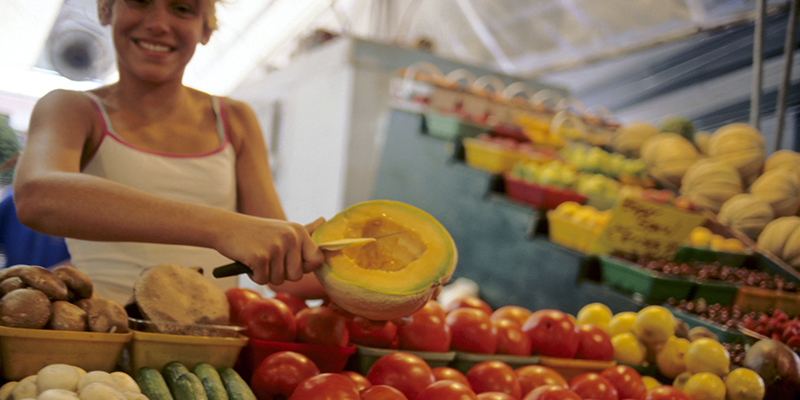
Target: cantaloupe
779, 187
746, 213
740, 145
709, 183
629, 137
668, 156
391, 277
781, 237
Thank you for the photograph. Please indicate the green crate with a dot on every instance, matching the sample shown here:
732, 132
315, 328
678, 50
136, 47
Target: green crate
714, 292
631, 278
451, 128
464, 361
365, 356
724, 334
687, 253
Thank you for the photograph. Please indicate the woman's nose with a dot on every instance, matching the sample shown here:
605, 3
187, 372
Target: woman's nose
158, 18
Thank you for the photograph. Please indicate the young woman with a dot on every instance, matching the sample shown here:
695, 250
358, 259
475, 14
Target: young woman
148, 171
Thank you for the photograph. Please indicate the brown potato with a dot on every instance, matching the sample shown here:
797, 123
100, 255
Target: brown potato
25, 308
8, 285
44, 280
104, 315
66, 316
79, 285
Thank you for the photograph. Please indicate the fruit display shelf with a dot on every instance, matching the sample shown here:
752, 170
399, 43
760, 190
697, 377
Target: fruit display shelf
653, 286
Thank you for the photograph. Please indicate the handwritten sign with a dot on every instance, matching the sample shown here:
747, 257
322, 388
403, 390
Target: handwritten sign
647, 228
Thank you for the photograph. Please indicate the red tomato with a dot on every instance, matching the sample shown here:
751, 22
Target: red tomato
280, 373
406, 372
472, 331
627, 380
327, 386
323, 326
382, 338
447, 390
591, 385
495, 396
468, 302
494, 376
532, 376
270, 320
514, 313
361, 381
665, 392
427, 330
594, 343
511, 339
552, 333
551, 392
449, 374
382, 392
237, 298
295, 302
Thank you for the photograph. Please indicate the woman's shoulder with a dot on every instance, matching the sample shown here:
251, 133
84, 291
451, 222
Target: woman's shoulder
65, 98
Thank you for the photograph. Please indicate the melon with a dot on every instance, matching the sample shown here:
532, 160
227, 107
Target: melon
680, 125
746, 213
668, 156
709, 183
701, 141
784, 159
740, 145
781, 237
629, 137
779, 188
391, 277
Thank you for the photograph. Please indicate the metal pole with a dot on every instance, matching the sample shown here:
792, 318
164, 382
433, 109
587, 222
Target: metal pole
788, 54
758, 40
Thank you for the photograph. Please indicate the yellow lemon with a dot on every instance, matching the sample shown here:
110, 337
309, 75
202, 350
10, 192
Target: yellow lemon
597, 314
700, 236
654, 324
628, 349
568, 207
671, 358
680, 380
744, 384
650, 382
707, 355
705, 386
621, 322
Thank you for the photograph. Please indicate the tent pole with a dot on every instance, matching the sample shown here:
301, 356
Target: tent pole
758, 40
788, 54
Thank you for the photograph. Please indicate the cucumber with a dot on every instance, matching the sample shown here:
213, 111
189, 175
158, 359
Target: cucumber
189, 387
236, 387
212, 383
172, 371
152, 384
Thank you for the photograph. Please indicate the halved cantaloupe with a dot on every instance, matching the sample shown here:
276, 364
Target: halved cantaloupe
391, 277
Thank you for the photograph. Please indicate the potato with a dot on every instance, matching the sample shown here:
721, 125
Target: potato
134, 396
57, 376
46, 281
26, 388
100, 391
126, 382
25, 308
104, 315
11, 284
57, 394
98, 377
78, 283
66, 316
5, 390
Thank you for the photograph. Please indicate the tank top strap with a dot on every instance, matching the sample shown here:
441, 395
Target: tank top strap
103, 114
219, 112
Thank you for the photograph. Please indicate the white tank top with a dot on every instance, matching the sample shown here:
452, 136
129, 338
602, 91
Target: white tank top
208, 179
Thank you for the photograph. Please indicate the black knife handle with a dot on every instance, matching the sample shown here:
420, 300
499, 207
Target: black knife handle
232, 269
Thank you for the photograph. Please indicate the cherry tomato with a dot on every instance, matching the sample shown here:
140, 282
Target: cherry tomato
323, 326
449, 374
327, 386
382, 392
468, 302
514, 313
361, 381
270, 320
447, 390
237, 298
627, 380
594, 343
381, 338
591, 385
295, 302
552, 333
494, 376
427, 330
511, 339
280, 373
551, 392
495, 396
406, 372
665, 392
472, 331
532, 376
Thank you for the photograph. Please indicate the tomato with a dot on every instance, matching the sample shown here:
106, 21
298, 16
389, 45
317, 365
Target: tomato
361, 381
447, 390
495, 396
494, 376
551, 392
591, 385
327, 386
627, 381
382, 338
594, 343
511, 339
468, 302
382, 392
280, 373
449, 374
323, 326
427, 330
406, 372
552, 333
295, 302
472, 331
237, 298
532, 376
270, 320
514, 313
665, 392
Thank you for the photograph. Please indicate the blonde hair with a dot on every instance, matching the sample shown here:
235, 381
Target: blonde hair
104, 13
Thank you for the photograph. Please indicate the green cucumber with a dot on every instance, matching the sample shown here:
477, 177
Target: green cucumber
215, 389
152, 384
236, 387
189, 387
172, 371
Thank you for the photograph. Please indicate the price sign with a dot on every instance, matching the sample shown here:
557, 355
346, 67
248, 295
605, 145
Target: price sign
647, 228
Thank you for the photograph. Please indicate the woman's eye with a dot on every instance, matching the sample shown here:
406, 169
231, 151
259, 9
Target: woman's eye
184, 8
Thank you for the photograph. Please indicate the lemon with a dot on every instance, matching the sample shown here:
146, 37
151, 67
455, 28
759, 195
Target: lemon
680, 380
628, 349
707, 355
621, 322
597, 314
744, 384
700, 236
671, 358
654, 324
650, 382
705, 386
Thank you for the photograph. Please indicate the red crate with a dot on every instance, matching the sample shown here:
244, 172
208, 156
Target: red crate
539, 196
